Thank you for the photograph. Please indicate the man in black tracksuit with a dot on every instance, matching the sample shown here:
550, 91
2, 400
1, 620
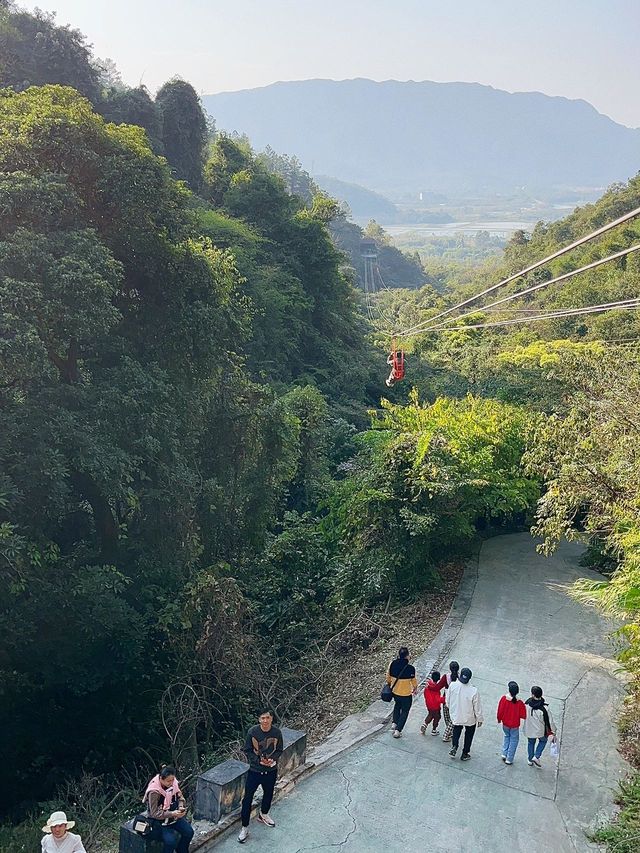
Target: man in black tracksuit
263, 748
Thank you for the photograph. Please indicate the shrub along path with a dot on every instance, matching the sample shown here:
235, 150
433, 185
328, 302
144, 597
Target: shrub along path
408, 795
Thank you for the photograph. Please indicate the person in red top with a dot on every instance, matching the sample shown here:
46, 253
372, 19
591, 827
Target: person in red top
511, 712
434, 700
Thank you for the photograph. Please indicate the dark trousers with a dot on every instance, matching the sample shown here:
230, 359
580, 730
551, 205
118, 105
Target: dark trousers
401, 710
254, 780
469, 732
433, 717
176, 837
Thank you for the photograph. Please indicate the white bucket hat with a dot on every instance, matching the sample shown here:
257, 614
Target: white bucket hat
57, 819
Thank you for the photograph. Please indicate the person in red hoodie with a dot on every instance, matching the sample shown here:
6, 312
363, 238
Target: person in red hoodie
511, 712
434, 700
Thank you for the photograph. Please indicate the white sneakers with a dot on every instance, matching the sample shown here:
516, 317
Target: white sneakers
537, 762
397, 733
263, 818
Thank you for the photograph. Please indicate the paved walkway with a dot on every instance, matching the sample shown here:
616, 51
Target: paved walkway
389, 795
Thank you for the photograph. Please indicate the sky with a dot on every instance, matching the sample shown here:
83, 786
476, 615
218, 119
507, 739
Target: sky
576, 48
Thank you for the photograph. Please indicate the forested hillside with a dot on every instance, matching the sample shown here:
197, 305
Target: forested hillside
578, 379
200, 483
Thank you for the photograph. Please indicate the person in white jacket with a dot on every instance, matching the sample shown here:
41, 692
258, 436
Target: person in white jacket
538, 725
465, 709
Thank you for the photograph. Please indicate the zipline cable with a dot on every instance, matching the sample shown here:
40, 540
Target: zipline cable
541, 284
572, 312
627, 216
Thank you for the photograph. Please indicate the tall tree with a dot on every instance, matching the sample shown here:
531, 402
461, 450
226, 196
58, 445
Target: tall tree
184, 130
34, 50
134, 106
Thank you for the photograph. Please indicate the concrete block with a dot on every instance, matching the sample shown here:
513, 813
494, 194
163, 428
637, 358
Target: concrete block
295, 750
219, 791
131, 842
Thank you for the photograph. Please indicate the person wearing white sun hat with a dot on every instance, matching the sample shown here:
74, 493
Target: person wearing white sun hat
58, 839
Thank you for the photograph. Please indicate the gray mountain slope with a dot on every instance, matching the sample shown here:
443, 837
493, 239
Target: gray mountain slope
451, 137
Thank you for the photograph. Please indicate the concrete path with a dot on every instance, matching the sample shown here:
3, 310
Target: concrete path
405, 795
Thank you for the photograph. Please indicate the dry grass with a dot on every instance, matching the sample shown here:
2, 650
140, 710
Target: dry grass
361, 655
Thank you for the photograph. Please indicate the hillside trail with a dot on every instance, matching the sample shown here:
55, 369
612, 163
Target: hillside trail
409, 795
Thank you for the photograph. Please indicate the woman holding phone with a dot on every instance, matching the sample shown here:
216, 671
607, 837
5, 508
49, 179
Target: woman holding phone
166, 808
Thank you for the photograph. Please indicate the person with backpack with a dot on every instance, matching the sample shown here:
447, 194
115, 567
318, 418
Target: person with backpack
433, 699
445, 681
465, 708
511, 711
538, 725
401, 677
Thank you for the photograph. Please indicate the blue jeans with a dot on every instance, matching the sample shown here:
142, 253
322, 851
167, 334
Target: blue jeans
176, 837
510, 742
536, 751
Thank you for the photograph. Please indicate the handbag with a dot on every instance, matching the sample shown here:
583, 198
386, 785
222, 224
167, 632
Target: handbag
142, 825
386, 694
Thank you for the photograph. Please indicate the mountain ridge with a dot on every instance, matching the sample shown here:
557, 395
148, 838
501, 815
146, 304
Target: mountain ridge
406, 137
420, 82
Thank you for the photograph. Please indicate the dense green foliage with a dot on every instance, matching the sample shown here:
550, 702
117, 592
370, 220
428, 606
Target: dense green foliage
159, 469
581, 378
184, 130
397, 269
138, 451
121, 105
193, 497
425, 479
35, 51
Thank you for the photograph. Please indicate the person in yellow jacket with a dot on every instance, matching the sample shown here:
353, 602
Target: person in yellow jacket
401, 677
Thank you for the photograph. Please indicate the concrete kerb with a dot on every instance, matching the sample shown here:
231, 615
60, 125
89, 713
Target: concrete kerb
356, 728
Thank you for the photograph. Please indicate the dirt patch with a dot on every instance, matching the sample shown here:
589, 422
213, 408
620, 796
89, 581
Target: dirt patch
361, 653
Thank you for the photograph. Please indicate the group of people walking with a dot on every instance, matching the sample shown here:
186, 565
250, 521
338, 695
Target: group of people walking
453, 697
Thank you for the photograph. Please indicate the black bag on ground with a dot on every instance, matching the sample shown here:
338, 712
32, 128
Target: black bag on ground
386, 694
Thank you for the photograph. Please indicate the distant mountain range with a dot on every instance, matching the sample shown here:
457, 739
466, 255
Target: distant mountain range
405, 138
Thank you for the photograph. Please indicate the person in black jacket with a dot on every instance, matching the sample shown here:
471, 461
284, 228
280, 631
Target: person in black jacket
263, 747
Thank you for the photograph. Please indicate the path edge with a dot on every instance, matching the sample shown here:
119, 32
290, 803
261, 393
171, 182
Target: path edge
360, 727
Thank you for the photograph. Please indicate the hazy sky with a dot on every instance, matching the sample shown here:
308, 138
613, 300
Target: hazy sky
576, 48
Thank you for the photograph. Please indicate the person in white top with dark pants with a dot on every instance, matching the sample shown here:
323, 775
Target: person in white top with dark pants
465, 709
